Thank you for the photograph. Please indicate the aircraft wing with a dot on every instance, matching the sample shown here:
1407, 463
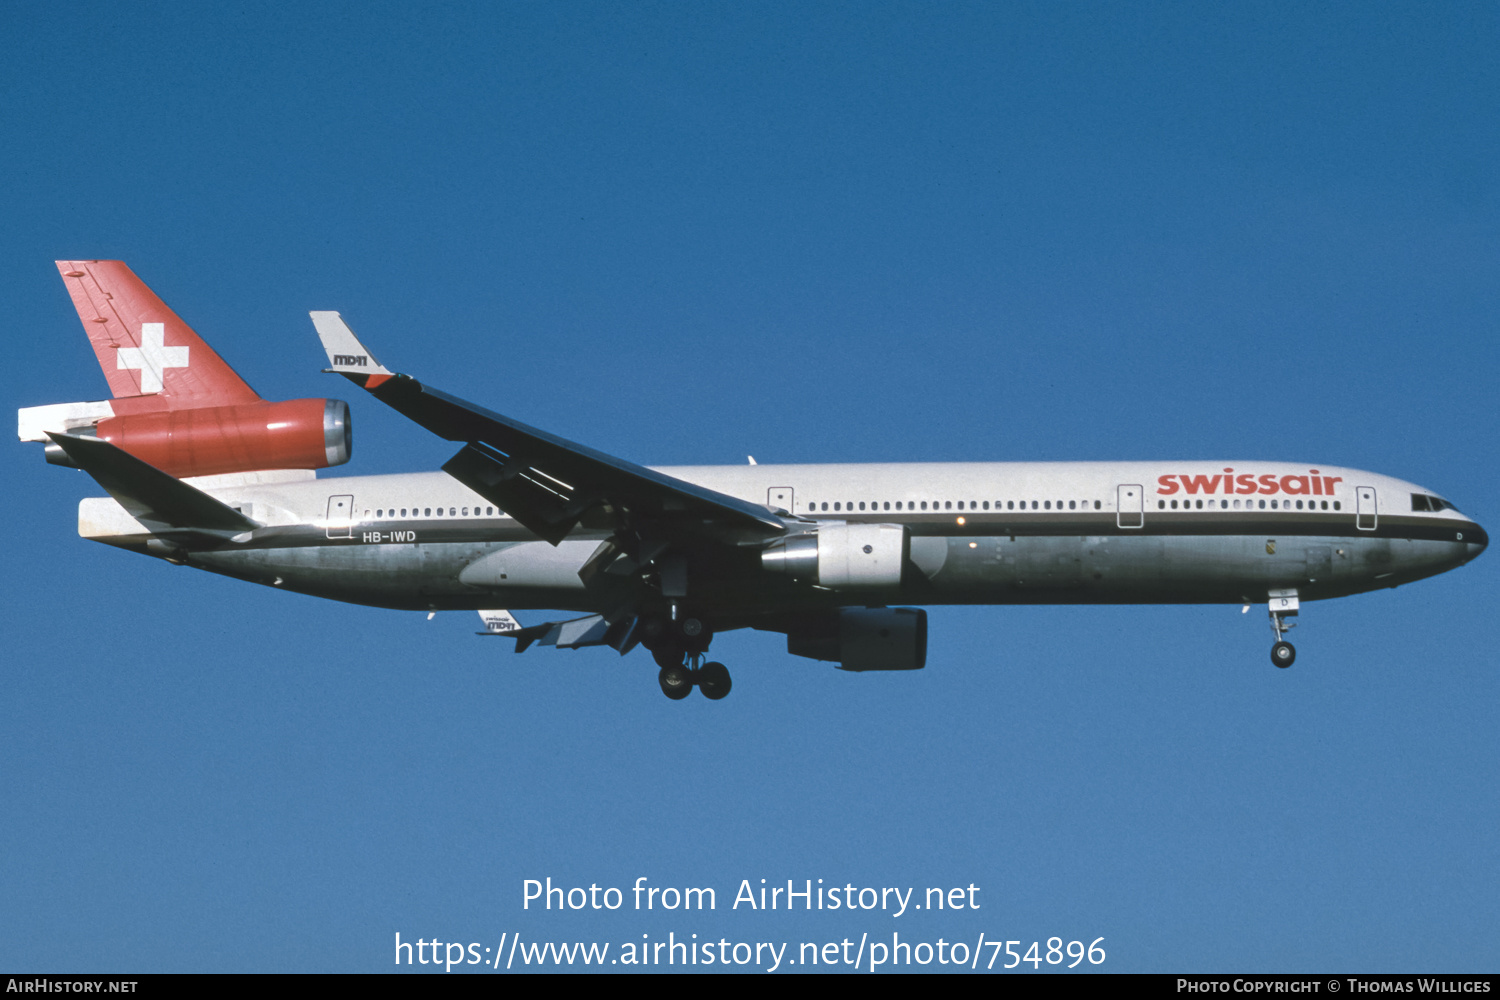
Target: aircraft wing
545, 482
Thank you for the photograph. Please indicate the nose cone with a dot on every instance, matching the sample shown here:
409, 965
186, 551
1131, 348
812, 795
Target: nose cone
1475, 539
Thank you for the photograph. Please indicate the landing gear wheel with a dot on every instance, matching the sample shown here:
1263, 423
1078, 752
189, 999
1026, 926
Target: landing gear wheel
713, 680
676, 682
1283, 654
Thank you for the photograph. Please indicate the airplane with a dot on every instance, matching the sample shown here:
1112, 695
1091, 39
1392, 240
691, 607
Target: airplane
203, 472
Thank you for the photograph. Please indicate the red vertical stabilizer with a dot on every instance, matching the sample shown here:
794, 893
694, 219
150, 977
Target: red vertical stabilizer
144, 348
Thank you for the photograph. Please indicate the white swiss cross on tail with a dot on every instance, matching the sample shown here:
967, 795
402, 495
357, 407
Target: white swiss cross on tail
152, 357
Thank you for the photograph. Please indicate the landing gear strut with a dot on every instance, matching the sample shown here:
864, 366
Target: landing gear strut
1283, 605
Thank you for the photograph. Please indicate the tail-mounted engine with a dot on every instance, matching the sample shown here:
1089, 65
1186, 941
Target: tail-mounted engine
843, 556
206, 440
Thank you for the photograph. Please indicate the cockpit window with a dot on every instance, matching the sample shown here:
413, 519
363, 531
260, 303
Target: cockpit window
1421, 501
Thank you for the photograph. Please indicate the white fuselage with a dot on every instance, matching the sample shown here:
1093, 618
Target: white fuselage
1055, 532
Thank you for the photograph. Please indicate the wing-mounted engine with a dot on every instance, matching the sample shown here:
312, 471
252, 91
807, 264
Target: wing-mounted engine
864, 638
843, 556
203, 440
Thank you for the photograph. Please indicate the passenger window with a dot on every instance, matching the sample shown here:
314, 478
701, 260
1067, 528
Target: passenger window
1161, 505
1336, 505
986, 505
1097, 504
1010, 505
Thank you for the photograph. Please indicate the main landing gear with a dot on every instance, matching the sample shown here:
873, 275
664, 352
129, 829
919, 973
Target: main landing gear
1283, 605
677, 681
679, 648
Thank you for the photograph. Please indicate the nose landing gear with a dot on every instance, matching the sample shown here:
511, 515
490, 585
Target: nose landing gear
1283, 605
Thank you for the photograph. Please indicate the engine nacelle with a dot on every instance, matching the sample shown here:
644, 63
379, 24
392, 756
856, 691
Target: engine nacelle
843, 556
866, 639
249, 437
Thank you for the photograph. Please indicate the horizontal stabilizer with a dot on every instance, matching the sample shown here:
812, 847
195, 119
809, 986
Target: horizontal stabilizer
148, 493
33, 422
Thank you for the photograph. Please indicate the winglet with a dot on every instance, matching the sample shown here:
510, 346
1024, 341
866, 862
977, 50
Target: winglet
346, 355
498, 622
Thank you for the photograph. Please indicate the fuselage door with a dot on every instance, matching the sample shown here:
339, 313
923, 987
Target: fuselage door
1365, 519
1130, 506
780, 496
340, 516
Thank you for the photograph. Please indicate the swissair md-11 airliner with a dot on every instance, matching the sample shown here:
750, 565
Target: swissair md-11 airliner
201, 471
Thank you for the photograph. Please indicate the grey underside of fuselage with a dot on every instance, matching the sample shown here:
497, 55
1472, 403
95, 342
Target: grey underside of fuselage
971, 569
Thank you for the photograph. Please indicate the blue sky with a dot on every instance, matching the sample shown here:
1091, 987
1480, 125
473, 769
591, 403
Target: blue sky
687, 233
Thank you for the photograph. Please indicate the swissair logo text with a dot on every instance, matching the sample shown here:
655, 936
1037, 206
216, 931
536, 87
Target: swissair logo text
1227, 483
